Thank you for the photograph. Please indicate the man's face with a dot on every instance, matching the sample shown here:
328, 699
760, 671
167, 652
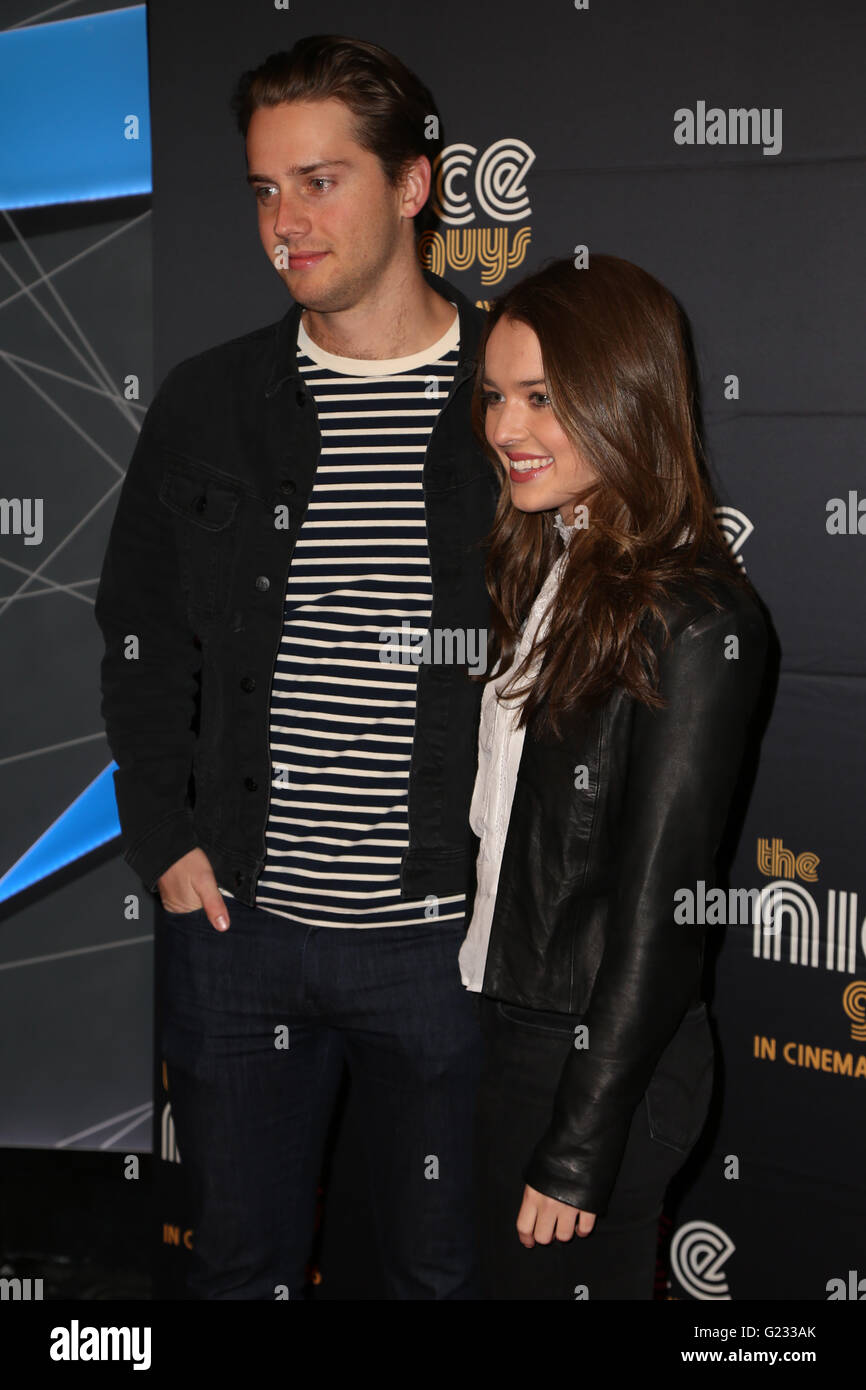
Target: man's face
325, 199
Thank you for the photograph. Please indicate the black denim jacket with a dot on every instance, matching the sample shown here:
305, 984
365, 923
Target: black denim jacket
190, 604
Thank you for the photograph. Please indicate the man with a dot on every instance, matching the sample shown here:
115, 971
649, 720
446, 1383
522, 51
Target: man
298, 799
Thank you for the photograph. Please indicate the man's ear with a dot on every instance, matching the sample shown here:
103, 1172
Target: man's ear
414, 185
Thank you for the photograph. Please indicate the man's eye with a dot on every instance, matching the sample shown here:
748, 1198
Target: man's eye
321, 180
264, 190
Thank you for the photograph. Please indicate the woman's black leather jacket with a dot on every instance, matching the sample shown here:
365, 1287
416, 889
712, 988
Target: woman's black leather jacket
607, 824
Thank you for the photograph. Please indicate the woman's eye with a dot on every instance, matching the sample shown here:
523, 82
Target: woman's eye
537, 398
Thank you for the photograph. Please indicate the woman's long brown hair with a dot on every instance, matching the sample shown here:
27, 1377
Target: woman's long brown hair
617, 374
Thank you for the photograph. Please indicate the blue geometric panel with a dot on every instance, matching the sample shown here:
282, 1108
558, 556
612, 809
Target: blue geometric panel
69, 90
90, 821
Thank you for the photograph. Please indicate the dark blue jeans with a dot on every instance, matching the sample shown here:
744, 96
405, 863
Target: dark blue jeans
255, 1026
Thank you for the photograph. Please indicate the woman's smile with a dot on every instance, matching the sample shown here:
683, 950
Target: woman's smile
525, 467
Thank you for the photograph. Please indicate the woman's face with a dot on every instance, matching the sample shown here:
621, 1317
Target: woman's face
544, 468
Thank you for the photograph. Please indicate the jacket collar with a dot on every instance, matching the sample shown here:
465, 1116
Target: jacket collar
283, 356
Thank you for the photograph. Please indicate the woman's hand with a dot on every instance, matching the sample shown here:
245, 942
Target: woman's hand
540, 1216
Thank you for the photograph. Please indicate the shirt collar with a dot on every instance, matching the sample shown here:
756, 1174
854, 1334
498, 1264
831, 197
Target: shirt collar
283, 361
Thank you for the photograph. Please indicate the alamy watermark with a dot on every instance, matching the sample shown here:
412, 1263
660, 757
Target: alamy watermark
713, 907
22, 516
20, 1290
737, 126
438, 646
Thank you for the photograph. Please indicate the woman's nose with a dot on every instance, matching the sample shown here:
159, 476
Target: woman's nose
508, 427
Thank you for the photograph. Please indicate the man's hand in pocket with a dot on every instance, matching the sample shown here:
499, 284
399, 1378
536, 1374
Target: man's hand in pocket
190, 884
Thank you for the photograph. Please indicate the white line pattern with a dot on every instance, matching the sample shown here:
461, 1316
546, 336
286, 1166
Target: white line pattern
342, 720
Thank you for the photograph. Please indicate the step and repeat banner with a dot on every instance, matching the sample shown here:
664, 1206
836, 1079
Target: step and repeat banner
721, 148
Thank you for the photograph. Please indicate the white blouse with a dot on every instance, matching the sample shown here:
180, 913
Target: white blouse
500, 744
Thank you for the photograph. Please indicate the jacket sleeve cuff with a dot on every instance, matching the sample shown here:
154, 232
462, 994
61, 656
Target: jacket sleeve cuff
155, 852
581, 1182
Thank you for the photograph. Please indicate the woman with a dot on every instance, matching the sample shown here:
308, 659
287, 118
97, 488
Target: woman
627, 655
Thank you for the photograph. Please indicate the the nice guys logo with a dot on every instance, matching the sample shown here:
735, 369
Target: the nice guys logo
470, 184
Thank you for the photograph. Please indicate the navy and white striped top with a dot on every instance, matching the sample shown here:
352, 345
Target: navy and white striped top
341, 719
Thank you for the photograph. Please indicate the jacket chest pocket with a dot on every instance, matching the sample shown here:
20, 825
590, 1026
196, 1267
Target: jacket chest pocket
205, 511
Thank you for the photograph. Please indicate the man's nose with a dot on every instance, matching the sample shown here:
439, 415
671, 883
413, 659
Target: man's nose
291, 220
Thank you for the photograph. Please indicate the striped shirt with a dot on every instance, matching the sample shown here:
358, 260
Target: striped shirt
342, 719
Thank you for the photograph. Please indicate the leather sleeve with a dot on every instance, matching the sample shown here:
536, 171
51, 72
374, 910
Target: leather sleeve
683, 764
148, 701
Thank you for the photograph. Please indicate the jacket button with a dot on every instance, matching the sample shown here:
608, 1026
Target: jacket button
287, 485
251, 784
200, 504
263, 583
240, 878
301, 397
248, 683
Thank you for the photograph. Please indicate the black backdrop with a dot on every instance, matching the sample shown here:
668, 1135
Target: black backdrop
762, 250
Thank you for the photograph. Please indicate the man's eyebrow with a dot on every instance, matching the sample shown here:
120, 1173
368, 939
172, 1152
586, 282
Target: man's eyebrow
300, 169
